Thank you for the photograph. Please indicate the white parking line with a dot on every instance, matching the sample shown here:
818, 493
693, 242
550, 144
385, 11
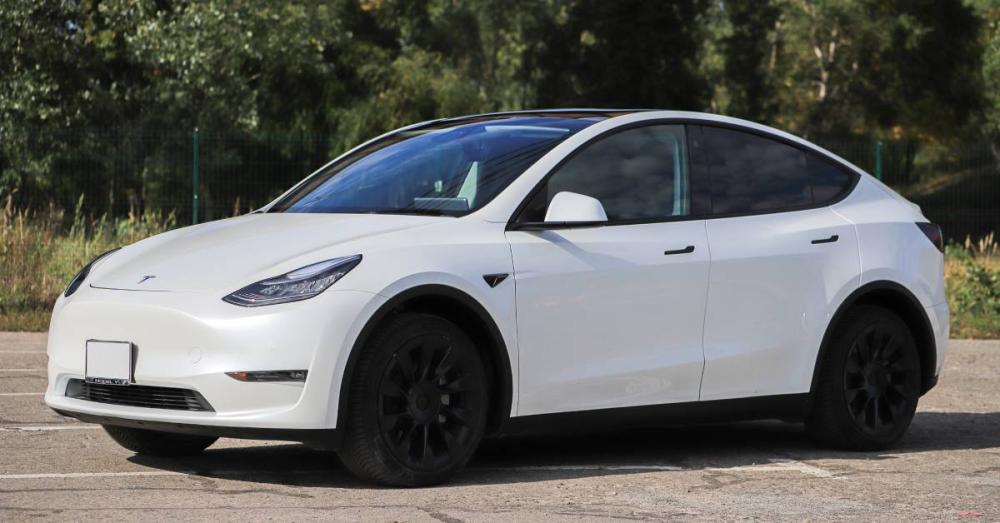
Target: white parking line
778, 465
22, 393
21, 370
22, 352
547, 468
775, 466
92, 474
43, 428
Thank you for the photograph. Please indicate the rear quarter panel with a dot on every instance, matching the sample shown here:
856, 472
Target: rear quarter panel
891, 246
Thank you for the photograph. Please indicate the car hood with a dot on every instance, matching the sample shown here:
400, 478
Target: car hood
226, 255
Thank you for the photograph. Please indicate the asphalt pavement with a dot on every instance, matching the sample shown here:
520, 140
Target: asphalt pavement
946, 468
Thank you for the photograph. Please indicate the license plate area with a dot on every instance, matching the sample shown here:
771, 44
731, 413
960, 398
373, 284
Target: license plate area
109, 362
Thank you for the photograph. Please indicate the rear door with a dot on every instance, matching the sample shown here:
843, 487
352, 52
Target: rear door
781, 261
611, 316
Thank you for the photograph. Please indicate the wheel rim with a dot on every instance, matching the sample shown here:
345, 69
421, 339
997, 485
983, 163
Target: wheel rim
878, 381
429, 403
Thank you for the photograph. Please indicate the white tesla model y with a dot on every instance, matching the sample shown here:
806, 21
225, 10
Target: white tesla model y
506, 272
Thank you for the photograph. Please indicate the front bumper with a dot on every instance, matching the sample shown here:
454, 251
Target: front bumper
322, 439
190, 340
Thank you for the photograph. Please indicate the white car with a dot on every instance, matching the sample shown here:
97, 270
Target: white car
508, 272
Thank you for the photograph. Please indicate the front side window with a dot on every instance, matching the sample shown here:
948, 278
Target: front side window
638, 175
451, 169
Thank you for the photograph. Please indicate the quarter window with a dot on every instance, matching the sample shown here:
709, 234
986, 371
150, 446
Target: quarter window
639, 174
829, 181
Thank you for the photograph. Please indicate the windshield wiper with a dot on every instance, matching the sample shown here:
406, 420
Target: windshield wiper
414, 211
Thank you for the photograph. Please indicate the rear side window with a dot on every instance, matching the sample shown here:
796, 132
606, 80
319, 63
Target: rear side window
750, 173
638, 174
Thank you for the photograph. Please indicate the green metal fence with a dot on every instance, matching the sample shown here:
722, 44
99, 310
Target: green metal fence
955, 185
204, 175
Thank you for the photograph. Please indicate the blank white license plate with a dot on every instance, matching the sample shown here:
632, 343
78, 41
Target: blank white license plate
109, 362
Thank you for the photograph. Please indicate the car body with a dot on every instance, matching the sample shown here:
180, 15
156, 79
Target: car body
713, 291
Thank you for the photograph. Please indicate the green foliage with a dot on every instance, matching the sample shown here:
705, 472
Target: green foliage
350, 69
39, 253
972, 275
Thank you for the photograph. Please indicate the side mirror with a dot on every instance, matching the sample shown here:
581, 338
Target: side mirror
570, 207
568, 210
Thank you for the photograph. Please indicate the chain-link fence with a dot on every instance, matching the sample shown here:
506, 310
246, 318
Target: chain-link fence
205, 175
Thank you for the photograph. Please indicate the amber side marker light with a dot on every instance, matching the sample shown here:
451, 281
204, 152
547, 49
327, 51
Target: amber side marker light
269, 375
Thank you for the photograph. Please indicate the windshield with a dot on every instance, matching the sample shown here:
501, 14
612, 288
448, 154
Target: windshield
452, 168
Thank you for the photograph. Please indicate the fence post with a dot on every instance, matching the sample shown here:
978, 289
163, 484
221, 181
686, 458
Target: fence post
195, 175
878, 159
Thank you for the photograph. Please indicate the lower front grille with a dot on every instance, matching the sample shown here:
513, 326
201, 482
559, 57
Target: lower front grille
138, 396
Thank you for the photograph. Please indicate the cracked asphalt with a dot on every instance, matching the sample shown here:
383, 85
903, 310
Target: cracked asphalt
948, 467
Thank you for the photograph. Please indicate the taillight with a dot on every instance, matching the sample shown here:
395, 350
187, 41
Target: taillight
933, 233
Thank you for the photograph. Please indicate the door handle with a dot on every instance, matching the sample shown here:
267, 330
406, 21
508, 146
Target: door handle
686, 250
831, 239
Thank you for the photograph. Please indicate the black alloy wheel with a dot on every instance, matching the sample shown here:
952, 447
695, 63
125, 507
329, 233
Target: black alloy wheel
418, 402
877, 381
868, 382
425, 396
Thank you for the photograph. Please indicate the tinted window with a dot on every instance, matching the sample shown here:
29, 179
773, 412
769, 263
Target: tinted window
638, 174
749, 173
454, 169
828, 180
753, 173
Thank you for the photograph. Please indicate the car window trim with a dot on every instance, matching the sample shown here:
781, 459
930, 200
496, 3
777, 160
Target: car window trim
688, 123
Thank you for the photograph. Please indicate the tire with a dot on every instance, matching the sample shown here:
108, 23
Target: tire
868, 383
418, 403
156, 443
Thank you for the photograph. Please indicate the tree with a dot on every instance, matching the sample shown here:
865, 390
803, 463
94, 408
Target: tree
749, 54
628, 53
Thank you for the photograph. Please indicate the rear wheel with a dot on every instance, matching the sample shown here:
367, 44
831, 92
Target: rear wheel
156, 443
418, 403
869, 382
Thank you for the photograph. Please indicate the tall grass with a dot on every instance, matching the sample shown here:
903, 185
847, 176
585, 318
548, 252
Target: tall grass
41, 250
972, 278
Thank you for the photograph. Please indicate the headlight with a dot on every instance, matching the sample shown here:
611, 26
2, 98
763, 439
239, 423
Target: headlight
300, 284
77, 280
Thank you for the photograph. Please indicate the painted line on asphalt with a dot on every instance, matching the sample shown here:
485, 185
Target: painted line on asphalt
780, 465
70, 475
22, 370
44, 428
22, 393
22, 351
776, 466
556, 468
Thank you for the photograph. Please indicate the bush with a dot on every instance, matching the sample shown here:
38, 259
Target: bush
972, 276
41, 251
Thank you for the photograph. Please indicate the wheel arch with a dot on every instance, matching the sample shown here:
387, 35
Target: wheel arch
900, 300
471, 316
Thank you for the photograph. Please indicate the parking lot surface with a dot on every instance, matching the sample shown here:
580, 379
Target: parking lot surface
948, 467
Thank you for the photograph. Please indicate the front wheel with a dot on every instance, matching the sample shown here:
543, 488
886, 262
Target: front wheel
869, 382
418, 403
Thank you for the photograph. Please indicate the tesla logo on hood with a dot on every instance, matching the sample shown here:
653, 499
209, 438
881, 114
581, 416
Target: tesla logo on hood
146, 277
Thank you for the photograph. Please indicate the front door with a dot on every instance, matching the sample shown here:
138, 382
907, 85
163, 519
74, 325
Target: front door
612, 316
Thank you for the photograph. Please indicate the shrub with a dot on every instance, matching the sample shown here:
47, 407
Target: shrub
972, 276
